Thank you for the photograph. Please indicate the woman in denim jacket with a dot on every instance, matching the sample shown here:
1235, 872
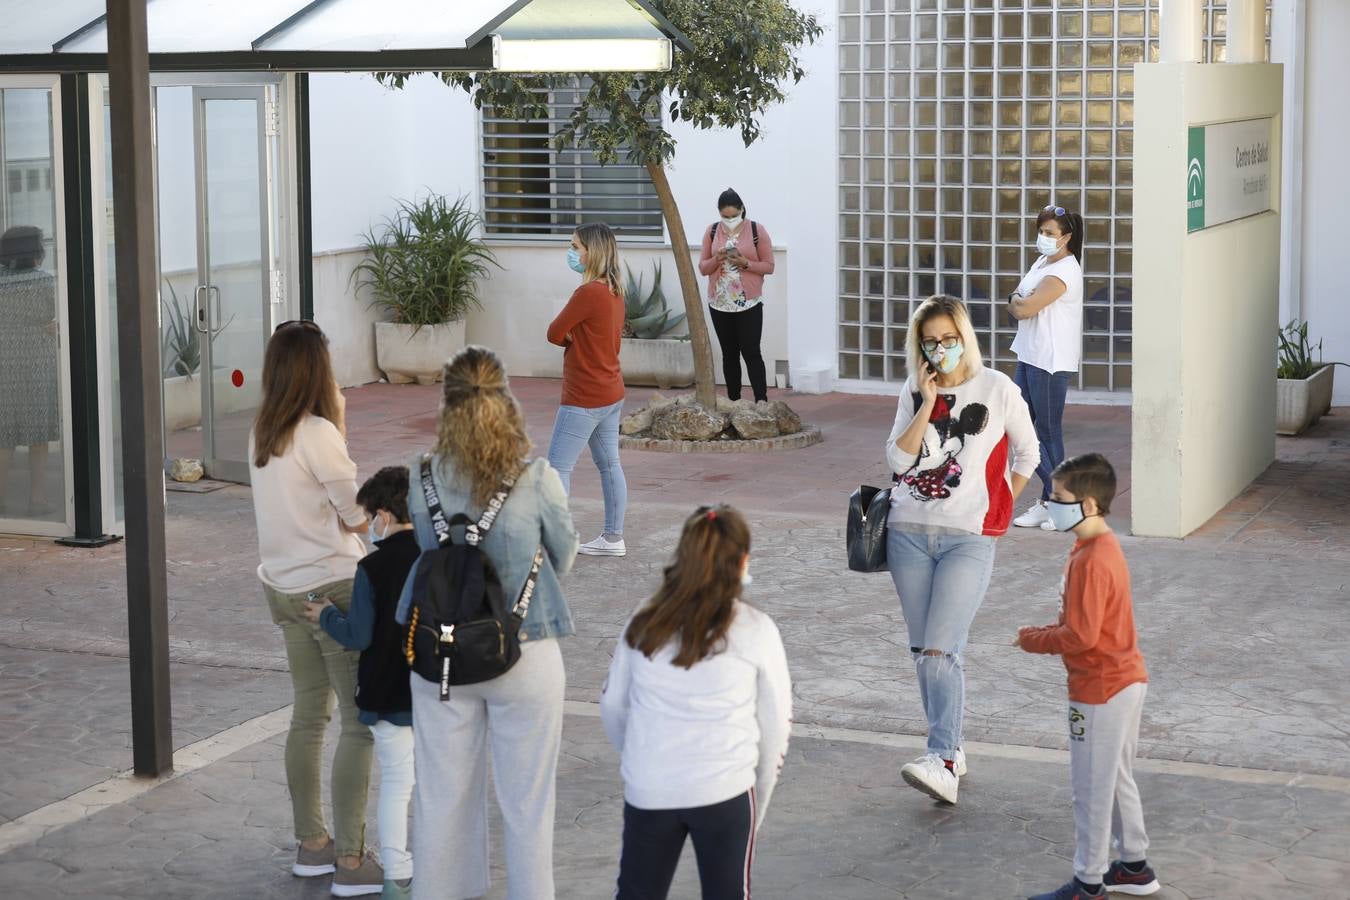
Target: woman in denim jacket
517, 716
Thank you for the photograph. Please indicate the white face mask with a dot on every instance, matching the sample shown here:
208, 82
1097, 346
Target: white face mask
1046, 245
733, 221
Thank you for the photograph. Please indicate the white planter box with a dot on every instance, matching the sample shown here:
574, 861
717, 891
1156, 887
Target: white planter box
1301, 402
406, 354
662, 362
182, 402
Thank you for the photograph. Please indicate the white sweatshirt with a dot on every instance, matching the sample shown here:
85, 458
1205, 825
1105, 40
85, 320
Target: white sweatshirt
959, 483
300, 500
704, 735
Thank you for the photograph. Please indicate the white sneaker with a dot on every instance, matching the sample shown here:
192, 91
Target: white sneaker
1037, 516
959, 763
602, 547
930, 774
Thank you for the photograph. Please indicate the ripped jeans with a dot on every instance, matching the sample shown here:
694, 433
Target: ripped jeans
941, 580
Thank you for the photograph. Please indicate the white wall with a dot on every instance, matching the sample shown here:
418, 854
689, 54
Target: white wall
1325, 282
1205, 307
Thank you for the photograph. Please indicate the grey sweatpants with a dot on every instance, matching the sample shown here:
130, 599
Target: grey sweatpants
1102, 739
518, 719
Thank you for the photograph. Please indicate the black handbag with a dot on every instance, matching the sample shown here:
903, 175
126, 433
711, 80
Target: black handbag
868, 509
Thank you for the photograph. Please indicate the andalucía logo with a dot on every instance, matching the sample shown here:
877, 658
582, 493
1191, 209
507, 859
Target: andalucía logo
1195, 179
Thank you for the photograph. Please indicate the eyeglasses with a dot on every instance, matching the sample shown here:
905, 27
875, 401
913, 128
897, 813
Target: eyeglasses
947, 343
307, 324
1059, 210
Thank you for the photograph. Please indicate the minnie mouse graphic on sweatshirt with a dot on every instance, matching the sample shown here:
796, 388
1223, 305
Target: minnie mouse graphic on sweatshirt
960, 482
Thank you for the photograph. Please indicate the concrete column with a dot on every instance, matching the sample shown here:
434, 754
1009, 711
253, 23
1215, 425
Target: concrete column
1246, 31
1182, 31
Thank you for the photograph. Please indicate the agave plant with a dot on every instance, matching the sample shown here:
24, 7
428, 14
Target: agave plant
1296, 352
179, 350
646, 315
424, 265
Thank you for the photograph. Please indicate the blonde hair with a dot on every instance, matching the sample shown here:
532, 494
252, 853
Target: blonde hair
602, 255
935, 306
481, 433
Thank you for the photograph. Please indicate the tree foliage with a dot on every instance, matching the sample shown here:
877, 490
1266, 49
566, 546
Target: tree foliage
745, 55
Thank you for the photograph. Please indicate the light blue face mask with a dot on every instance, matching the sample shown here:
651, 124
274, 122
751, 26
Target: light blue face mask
946, 359
1065, 516
375, 536
574, 260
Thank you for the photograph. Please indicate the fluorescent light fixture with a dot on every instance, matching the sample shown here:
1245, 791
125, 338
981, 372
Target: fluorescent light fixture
581, 55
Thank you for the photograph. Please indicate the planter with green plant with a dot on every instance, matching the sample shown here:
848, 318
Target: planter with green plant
423, 269
646, 354
1303, 384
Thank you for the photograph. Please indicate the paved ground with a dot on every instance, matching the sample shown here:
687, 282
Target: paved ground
1246, 736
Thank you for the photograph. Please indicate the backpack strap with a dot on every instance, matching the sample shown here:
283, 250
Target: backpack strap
439, 523
754, 232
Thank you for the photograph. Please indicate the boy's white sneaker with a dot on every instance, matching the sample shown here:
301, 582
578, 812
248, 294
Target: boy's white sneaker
602, 547
1036, 516
959, 763
930, 774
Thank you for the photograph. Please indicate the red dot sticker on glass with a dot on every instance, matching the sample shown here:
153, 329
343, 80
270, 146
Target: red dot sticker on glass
237, 378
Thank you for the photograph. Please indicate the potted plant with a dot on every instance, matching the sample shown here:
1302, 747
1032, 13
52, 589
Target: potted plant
1302, 387
181, 355
646, 355
423, 269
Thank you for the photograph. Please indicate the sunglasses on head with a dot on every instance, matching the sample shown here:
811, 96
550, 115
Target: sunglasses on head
307, 324
1059, 210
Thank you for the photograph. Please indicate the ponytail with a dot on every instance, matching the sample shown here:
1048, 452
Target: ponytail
1076, 235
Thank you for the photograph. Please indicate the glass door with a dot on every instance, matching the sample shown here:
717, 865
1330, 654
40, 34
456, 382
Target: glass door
232, 299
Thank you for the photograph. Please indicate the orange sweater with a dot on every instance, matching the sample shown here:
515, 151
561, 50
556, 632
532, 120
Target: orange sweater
1095, 634
593, 318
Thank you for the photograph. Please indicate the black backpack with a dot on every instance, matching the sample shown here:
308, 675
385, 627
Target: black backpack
460, 630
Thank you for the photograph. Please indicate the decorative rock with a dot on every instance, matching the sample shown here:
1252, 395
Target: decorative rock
186, 470
788, 421
725, 405
685, 422
638, 422
660, 401
755, 423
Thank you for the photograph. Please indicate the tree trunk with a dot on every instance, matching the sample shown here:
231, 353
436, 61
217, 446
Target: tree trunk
705, 386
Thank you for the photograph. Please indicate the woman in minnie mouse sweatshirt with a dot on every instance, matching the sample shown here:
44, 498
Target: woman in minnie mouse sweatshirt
962, 448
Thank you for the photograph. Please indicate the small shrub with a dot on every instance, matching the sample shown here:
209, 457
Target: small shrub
646, 315
1296, 352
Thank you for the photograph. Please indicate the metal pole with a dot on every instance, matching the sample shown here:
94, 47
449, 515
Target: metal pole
1182, 31
138, 346
1246, 31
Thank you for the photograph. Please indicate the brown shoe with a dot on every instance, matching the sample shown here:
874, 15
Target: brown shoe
367, 878
313, 863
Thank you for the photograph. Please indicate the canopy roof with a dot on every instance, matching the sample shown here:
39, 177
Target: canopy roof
348, 35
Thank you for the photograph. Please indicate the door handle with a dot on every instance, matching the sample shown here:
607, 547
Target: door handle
213, 298
199, 320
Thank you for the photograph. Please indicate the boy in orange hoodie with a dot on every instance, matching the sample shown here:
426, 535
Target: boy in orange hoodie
1107, 681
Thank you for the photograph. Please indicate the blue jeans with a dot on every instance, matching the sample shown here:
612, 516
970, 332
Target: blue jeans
1045, 392
576, 427
941, 580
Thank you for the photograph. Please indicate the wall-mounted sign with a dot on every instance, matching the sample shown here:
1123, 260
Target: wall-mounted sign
1228, 171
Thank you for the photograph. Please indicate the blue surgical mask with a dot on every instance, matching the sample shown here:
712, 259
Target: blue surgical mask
574, 260
946, 359
373, 532
746, 578
1046, 245
1065, 516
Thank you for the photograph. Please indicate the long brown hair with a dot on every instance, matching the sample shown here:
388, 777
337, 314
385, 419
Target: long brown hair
602, 255
696, 602
481, 430
297, 381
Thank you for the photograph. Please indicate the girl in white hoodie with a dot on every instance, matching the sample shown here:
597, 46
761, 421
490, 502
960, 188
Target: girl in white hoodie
698, 703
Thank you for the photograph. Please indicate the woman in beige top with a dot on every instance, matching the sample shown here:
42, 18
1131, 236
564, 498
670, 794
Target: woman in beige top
304, 498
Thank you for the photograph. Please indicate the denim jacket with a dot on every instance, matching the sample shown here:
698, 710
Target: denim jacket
535, 513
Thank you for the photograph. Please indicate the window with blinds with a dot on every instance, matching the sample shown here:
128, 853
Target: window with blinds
531, 189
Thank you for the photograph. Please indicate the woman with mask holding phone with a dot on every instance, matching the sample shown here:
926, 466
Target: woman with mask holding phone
589, 329
962, 449
1048, 307
737, 254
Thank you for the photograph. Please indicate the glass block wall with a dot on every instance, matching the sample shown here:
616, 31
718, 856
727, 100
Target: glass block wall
960, 120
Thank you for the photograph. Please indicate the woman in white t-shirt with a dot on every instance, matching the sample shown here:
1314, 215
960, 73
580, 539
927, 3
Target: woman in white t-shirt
304, 501
1048, 307
698, 703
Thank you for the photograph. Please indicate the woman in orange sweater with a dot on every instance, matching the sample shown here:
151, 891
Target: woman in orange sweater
589, 329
